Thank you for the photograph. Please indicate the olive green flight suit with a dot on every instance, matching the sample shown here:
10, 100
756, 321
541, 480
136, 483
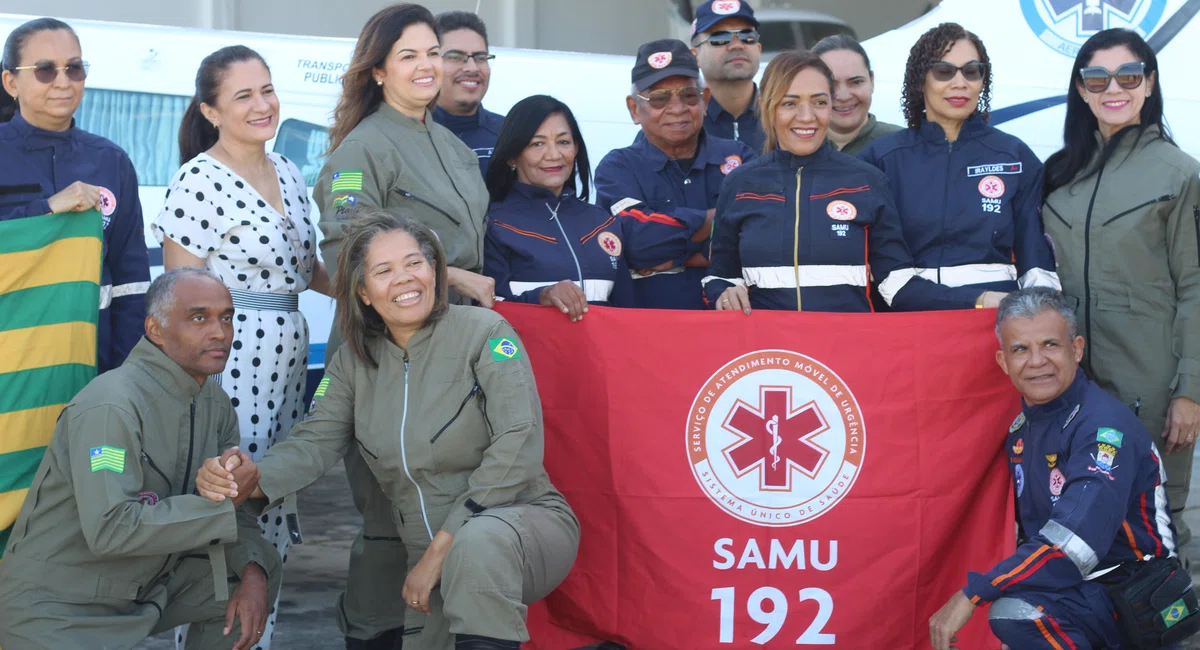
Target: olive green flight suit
452, 430
1126, 243
423, 171
111, 545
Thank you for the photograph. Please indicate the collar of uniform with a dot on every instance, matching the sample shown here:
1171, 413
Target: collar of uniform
416, 343
717, 112
164, 369
536, 193
1068, 400
457, 123
933, 132
795, 162
1129, 140
396, 116
864, 132
35, 138
659, 160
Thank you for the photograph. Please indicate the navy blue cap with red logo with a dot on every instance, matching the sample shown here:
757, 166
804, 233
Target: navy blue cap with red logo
657, 60
711, 12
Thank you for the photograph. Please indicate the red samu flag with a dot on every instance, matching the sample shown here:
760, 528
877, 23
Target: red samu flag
780, 480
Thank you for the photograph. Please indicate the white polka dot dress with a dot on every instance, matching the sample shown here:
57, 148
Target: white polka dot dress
214, 214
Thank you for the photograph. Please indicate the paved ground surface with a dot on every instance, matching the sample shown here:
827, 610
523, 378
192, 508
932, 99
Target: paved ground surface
316, 569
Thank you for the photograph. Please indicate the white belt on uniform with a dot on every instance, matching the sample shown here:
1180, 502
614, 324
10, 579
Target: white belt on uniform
265, 301
593, 290
969, 274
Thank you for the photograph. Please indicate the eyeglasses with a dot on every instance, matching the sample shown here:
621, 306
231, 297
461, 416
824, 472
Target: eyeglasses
1128, 76
47, 72
945, 71
659, 99
455, 56
723, 38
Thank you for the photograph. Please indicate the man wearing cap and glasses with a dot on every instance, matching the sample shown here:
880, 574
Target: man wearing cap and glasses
467, 69
726, 43
664, 186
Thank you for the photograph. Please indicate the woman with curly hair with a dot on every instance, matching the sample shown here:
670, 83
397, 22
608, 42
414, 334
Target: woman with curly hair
968, 194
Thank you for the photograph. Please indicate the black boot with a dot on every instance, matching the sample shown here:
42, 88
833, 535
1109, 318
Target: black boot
473, 642
390, 640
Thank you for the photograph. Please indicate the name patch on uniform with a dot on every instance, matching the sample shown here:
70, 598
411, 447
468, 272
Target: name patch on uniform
347, 180
998, 168
109, 458
1110, 436
108, 202
610, 243
623, 204
503, 349
321, 387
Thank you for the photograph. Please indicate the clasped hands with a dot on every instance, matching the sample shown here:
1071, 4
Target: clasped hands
233, 476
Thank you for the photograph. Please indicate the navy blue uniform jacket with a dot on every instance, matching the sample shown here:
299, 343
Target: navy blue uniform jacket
824, 223
535, 240
1090, 495
36, 164
745, 128
971, 209
661, 206
478, 131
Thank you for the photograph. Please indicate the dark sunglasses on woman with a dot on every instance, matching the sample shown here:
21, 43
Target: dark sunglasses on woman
945, 71
659, 99
1129, 76
47, 72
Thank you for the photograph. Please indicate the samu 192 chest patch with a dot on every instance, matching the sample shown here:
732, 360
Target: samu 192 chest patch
839, 230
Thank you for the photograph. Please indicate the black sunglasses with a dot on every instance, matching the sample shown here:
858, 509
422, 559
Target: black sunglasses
725, 37
945, 71
659, 99
47, 72
1129, 76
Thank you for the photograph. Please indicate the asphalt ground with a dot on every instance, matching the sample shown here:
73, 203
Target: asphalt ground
316, 570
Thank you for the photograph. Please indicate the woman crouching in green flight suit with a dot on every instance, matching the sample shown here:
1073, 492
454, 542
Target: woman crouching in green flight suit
470, 496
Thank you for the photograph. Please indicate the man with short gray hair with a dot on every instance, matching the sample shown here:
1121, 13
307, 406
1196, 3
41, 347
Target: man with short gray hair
1091, 505
111, 545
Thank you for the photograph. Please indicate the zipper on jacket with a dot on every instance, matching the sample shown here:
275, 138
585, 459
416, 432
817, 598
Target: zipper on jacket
554, 217
409, 195
364, 448
404, 454
474, 390
735, 129
1164, 197
796, 240
187, 469
150, 461
1087, 273
945, 208
1196, 214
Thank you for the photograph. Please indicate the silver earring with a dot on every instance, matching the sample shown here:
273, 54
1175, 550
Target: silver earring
378, 83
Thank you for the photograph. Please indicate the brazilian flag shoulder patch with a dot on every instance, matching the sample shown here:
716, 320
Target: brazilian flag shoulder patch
1174, 613
1110, 436
109, 458
504, 349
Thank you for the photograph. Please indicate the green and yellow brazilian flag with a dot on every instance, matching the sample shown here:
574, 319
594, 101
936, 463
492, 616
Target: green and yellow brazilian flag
49, 305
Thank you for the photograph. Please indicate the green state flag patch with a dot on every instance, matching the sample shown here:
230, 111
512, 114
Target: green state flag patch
503, 349
109, 458
347, 180
1176, 612
1110, 436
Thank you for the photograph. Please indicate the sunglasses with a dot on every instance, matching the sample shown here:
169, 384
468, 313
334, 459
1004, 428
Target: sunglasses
47, 72
480, 58
723, 38
1128, 76
659, 99
945, 71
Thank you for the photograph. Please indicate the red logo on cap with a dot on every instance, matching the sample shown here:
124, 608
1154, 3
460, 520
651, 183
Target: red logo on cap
726, 7
659, 60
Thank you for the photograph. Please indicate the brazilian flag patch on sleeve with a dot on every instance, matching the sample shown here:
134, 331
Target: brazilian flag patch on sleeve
1174, 613
109, 458
504, 349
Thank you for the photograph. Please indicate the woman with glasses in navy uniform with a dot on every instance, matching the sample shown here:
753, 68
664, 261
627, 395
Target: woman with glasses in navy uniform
47, 165
967, 193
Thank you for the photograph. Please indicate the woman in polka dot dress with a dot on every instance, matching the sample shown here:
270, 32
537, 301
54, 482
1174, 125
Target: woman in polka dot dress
243, 213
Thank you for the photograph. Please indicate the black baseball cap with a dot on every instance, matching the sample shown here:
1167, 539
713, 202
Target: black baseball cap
711, 12
657, 60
